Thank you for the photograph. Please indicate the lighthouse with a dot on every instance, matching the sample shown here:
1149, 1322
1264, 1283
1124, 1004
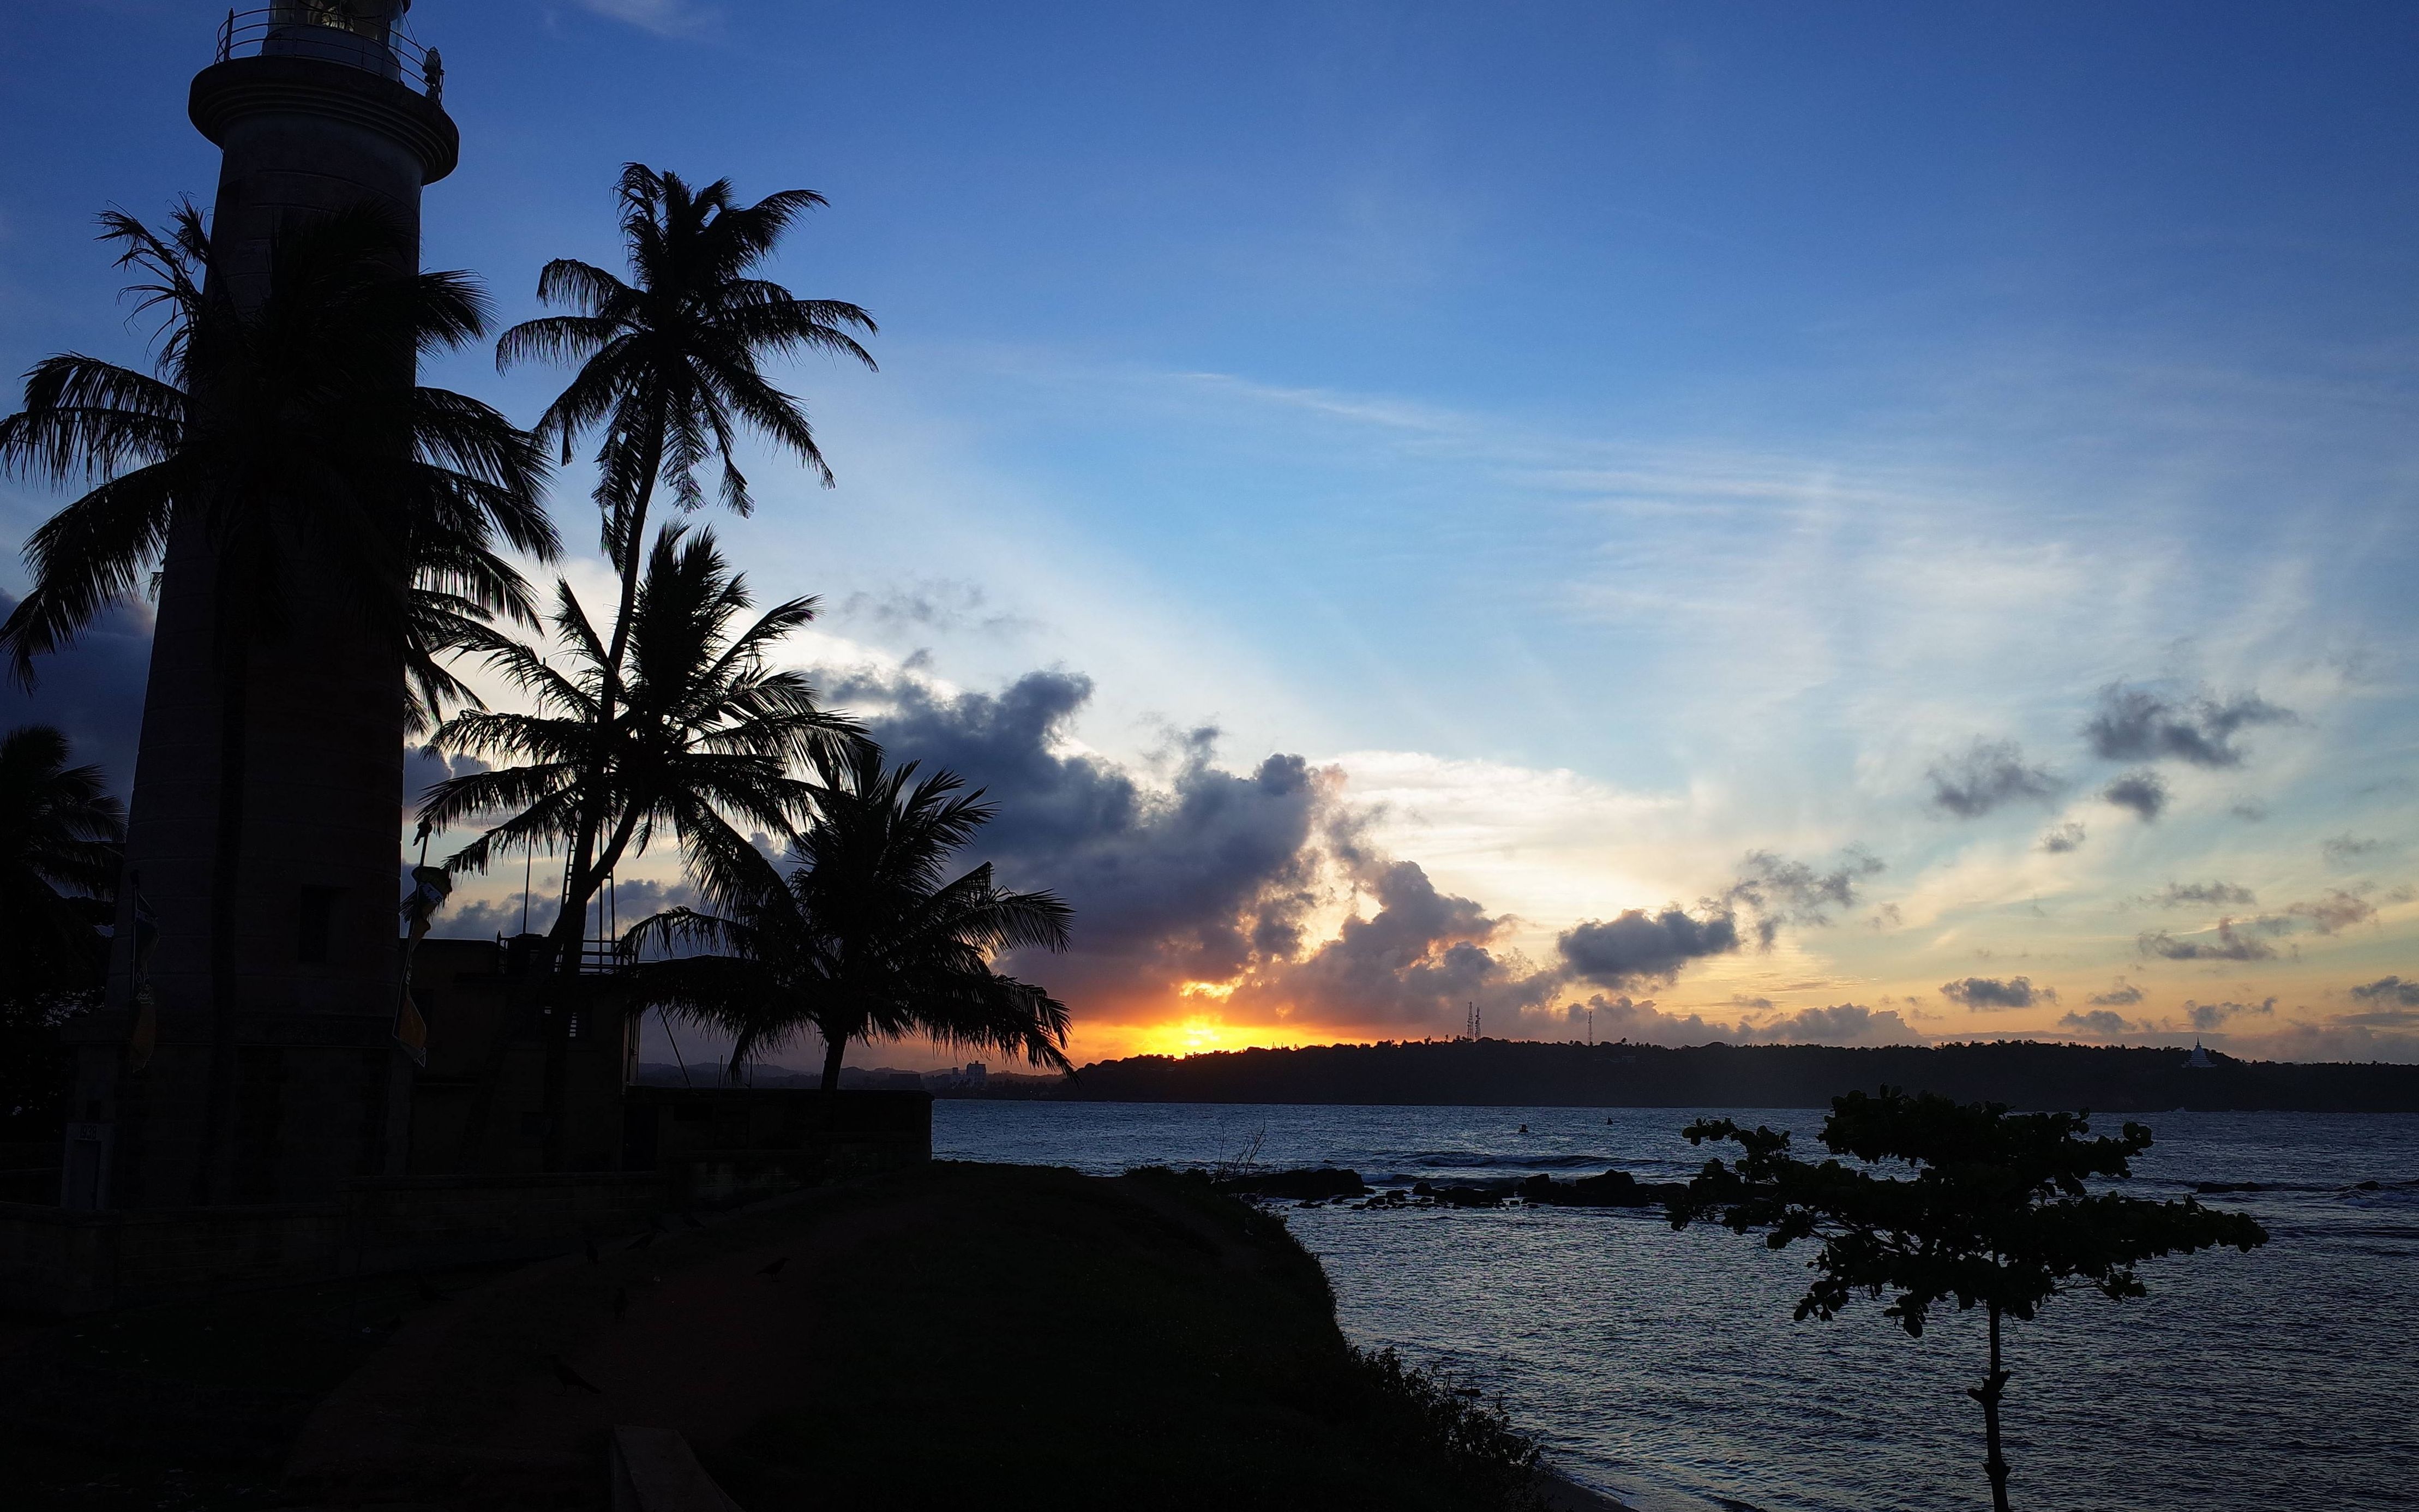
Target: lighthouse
290, 1084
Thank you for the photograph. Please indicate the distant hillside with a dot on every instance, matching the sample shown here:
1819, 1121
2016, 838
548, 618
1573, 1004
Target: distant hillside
1524, 1074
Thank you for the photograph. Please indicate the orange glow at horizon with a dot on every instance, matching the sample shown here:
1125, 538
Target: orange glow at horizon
1193, 1034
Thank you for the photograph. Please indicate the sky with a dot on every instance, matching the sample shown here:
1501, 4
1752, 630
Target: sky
1863, 524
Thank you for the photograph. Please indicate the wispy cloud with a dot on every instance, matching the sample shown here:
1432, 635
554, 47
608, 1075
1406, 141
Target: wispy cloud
2229, 943
665, 18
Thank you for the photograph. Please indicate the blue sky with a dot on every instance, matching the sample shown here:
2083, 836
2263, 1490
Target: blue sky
1612, 440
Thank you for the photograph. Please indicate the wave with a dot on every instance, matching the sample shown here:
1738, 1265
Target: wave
1474, 1160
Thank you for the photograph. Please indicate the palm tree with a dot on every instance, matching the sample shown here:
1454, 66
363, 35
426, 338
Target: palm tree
281, 433
702, 742
60, 834
864, 939
285, 440
671, 372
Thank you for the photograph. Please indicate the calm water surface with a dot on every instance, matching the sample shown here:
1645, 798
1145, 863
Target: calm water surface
1664, 1367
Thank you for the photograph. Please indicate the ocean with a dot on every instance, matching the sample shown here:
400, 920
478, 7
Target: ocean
1664, 1368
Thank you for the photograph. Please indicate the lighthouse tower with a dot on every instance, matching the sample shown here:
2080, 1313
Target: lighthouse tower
292, 1082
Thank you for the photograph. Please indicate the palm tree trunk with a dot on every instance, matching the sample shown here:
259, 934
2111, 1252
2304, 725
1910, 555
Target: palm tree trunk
226, 858
552, 974
632, 553
563, 993
834, 1051
1994, 1464
587, 873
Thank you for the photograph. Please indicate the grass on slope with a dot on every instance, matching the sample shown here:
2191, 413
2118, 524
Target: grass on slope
1061, 1341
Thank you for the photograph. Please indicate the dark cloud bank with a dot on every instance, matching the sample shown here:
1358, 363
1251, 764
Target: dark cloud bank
1217, 877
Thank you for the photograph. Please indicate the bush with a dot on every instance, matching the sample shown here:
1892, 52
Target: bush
1496, 1460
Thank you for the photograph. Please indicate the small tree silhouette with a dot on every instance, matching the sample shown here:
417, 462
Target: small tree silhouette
1995, 1214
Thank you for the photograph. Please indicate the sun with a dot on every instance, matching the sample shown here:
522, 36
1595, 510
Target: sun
1189, 1037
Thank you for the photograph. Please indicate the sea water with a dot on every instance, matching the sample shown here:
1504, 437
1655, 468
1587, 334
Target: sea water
1664, 1367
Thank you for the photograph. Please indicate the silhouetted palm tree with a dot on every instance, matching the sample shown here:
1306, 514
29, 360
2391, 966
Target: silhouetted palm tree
670, 371
865, 938
285, 438
700, 750
307, 460
60, 838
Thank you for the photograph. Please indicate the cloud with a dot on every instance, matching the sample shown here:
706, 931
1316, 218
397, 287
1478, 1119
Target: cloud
2206, 1016
1622, 1017
1200, 879
1783, 892
2228, 945
2066, 837
1636, 947
1840, 1024
92, 691
2143, 792
2100, 1021
1196, 880
938, 605
1989, 993
2345, 1039
665, 18
2124, 994
632, 900
2136, 724
2345, 849
1986, 775
2204, 894
424, 767
1417, 960
484, 919
2337, 910
2389, 991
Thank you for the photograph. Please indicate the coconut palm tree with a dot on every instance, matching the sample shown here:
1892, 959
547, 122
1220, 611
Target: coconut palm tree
866, 938
60, 838
670, 373
700, 752
281, 433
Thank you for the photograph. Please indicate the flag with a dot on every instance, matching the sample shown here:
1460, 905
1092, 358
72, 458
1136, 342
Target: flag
430, 887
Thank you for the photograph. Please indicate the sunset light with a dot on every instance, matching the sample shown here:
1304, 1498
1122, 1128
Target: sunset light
817, 756
1197, 1033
